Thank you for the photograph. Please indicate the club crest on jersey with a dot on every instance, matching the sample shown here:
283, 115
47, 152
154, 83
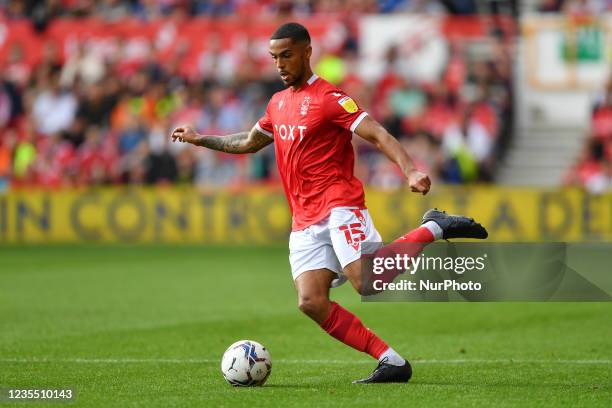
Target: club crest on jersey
305, 105
348, 104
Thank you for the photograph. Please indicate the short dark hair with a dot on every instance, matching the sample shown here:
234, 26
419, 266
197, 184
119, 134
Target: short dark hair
295, 31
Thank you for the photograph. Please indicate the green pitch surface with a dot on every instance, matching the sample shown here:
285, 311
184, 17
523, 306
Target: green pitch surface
147, 325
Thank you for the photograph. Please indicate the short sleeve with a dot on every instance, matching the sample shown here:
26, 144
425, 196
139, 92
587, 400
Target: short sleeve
264, 125
342, 110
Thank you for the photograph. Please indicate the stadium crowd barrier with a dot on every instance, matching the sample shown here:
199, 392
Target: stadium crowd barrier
261, 215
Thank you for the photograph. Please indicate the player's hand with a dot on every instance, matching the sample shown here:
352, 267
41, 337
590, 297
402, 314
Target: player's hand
419, 182
185, 134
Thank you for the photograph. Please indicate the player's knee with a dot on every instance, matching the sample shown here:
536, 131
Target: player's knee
353, 272
313, 306
364, 287
357, 283
361, 279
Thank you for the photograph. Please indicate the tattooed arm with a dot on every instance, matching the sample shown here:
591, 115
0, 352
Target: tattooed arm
243, 142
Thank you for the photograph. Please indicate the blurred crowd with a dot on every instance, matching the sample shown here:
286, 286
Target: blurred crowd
455, 127
575, 7
41, 11
593, 171
89, 120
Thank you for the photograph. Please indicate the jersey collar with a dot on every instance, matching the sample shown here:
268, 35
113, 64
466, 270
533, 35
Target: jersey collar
312, 79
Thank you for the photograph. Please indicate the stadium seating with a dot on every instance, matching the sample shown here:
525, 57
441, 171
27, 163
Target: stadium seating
98, 108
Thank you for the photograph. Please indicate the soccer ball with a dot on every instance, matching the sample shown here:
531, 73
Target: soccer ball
246, 363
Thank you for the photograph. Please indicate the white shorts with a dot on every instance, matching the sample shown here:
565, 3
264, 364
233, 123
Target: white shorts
333, 242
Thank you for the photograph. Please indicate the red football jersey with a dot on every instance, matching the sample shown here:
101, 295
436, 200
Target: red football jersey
312, 129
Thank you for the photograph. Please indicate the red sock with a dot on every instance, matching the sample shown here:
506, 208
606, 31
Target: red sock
421, 234
346, 327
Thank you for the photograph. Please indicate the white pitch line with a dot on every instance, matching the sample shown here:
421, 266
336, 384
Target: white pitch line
215, 361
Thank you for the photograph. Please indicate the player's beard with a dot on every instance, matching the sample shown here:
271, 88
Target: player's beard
294, 78
290, 81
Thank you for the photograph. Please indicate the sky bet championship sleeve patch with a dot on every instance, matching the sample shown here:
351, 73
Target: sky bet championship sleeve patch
348, 104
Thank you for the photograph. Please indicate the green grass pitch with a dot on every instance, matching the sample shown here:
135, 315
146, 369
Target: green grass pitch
147, 325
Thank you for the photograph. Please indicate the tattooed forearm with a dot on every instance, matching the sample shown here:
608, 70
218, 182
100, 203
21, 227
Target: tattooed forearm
228, 144
243, 142
258, 141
